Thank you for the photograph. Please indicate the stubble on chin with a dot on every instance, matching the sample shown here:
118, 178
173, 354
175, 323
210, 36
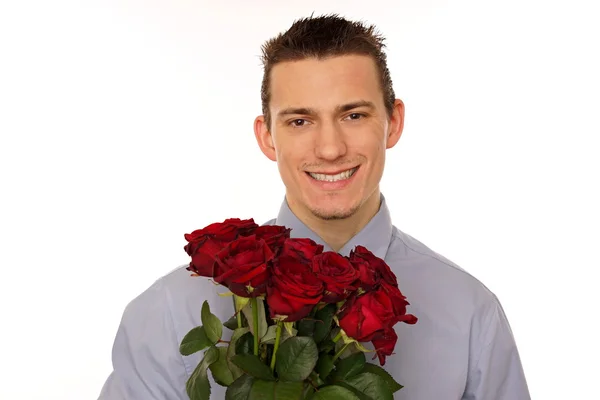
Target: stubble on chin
333, 215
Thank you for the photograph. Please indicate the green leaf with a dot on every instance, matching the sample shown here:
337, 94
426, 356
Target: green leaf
350, 366
324, 318
245, 344
326, 346
252, 365
316, 380
269, 337
231, 323
262, 319
324, 365
305, 327
296, 358
270, 390
194, 341
240, 388
370, 386
333, 392
198, 386
382, 373
235, 370
211, 323
308, 391
220, 370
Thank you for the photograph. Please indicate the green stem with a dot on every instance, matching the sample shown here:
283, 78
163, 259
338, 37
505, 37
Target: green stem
255, 320
338, 336
277, 337
339, 353
238, 313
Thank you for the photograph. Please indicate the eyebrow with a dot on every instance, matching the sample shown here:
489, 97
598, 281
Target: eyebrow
338, 109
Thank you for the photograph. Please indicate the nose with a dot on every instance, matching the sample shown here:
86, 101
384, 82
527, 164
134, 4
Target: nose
330, 143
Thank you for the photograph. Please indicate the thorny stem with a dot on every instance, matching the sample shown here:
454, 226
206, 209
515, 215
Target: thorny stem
255, 320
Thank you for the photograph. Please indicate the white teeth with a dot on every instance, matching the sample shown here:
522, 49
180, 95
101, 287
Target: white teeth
332, 178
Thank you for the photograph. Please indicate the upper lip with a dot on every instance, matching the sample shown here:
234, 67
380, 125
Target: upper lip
331, 172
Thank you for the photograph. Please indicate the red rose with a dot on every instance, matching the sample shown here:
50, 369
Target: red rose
293, 289
399, 303
203, 254
226, 231
363, 316
337, 274
204, 244
384, 344
367, 278
372, 315
301, 248
243, 265
274, 235
372, 269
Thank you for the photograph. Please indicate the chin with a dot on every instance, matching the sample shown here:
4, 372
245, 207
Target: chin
332, 216
332, 212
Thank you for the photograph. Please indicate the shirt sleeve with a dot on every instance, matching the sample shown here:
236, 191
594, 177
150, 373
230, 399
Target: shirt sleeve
145, 356
495, 371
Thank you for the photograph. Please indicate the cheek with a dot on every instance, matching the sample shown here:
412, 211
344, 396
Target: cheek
291, 157
368, 143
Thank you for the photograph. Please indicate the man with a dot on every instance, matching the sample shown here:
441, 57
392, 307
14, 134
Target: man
329, 114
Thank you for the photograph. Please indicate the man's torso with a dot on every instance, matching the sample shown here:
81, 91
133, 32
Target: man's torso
431, 358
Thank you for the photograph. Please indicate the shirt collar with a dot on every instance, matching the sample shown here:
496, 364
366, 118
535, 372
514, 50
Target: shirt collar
375, 236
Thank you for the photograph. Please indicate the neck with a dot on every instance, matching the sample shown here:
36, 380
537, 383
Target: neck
336, 233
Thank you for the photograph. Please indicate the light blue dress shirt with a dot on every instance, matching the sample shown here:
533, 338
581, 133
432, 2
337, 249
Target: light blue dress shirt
462, 346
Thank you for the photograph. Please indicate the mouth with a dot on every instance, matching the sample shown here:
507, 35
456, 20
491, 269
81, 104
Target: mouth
340, 176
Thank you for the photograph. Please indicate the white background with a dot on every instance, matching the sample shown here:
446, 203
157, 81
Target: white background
125, 124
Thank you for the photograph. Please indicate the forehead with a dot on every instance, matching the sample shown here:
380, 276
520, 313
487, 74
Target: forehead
325, 83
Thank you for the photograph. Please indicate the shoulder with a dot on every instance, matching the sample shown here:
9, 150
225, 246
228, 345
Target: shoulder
167, 294
435, 279
186, 292
457, 309
408, 246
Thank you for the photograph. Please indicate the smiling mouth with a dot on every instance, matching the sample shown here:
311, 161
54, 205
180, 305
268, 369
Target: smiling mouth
333, 178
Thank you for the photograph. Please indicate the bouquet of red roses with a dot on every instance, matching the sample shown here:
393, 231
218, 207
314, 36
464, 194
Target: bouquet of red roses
299, 316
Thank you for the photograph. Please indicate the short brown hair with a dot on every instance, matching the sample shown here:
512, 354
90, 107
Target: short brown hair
323, 37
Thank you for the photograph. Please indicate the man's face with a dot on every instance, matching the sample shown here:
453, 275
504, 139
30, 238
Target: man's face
329, 133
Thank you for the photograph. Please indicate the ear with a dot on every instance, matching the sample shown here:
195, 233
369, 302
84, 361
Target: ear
396, 124
264, 138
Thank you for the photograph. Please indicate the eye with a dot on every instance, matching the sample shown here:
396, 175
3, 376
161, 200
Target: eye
298, 122
355, 116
